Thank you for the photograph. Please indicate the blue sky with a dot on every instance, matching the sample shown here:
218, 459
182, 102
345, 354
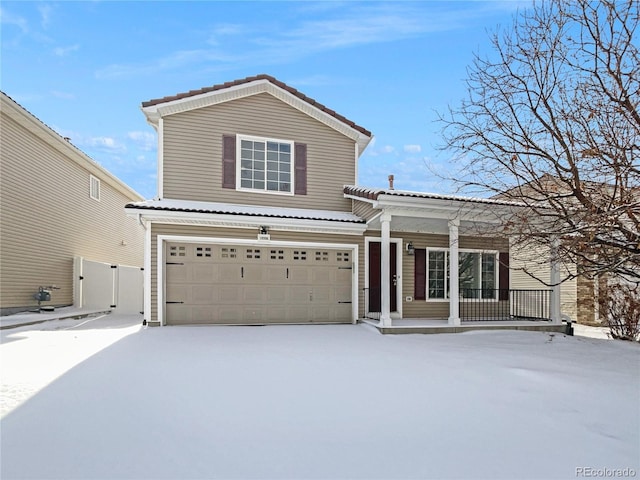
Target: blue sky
84, 68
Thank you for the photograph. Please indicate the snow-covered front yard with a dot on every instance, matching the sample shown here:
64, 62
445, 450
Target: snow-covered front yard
314, 402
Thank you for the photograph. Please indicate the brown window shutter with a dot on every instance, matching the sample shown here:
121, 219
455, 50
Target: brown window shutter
228, 161
420, 274
503, 271
300, 178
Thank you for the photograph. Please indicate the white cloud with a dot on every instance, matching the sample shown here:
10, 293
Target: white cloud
63, 95
8, 18
303, 34
64, 51
412, 148
387, 149
144, 140
109, 144
45, 15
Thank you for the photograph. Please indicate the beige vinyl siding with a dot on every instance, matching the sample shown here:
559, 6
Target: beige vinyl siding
231, 233
48, 218
364, 210
536, 262
192, 146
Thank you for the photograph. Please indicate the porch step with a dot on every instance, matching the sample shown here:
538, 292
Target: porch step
399, 330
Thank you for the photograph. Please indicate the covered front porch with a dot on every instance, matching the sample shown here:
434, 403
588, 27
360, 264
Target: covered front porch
439, 264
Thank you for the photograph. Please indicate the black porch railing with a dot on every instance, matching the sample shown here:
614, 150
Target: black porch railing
371, 302
484, 304
501, 304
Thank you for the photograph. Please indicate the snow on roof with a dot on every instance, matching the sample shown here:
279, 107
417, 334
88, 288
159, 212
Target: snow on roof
248, 210
374, 194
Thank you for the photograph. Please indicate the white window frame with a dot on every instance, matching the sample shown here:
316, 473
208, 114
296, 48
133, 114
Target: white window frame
239, 187
94, 188
495, 253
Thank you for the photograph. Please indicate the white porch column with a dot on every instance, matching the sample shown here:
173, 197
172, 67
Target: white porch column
385, 271
454, 290
554, 280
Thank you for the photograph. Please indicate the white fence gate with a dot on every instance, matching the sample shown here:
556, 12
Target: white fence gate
105, 286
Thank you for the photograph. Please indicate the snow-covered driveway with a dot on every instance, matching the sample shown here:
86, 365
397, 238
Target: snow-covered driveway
324, 402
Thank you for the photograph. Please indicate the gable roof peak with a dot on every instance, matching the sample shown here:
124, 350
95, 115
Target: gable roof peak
234, 84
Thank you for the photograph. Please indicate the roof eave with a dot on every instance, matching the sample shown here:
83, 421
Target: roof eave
246, 221
156, 111
37, 127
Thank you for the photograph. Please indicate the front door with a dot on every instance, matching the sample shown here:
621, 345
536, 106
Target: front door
375, 284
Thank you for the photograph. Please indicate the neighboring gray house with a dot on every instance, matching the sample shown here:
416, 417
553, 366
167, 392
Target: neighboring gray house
259, 220
60, 210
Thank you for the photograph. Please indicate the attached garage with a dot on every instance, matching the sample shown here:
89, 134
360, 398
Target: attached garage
235, 283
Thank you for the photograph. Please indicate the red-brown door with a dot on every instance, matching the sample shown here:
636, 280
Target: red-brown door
375, 270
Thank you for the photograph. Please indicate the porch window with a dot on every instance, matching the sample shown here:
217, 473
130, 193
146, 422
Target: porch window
476, 272
265, 164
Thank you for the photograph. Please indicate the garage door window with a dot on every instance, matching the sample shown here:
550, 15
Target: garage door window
228, 252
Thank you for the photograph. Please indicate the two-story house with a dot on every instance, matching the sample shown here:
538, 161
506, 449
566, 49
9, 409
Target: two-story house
259, 220
63, 223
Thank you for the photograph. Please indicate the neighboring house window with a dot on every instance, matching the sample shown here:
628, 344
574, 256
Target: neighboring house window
94, 188
476, 274
264, 165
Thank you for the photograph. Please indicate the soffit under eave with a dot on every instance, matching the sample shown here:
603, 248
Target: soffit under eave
249, 222
155, 112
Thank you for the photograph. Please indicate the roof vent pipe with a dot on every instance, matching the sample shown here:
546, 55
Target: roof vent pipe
390, 182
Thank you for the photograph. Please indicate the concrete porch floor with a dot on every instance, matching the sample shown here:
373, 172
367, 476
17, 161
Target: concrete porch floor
429, 325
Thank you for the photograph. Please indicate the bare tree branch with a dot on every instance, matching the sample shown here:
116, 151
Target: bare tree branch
551, 120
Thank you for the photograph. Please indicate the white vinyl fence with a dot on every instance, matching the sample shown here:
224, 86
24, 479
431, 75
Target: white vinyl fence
105, 286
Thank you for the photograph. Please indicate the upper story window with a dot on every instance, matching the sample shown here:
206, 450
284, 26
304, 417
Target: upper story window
265, 164
258, 164
94, 187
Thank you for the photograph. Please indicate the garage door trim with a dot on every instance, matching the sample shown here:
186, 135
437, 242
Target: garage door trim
161, 261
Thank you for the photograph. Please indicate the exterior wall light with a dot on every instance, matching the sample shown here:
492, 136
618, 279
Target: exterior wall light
410, 249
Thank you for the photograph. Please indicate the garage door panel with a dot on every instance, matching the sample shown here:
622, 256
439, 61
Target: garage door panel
229, 294
298, 313
254, 294
203, 294
255, 285
204, 314
299, 274
300, 294
342, 293
253, 274
179, 293
277, 294
230, 272
178, 313
276, 314
321, 294
253, 313
276, 273
229, 314
176, 273
343, 275
322, 274
204, 273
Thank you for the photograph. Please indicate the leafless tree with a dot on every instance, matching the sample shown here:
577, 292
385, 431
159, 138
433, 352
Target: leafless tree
552, 121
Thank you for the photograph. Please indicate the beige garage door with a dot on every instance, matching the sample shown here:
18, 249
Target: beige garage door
234, 284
